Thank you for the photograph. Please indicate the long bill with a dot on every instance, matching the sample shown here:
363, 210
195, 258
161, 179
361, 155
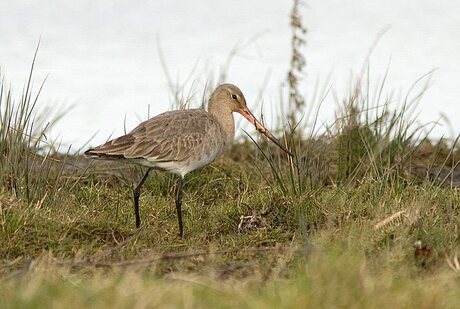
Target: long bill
250, 117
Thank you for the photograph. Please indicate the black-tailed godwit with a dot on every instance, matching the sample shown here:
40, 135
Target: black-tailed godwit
182, 141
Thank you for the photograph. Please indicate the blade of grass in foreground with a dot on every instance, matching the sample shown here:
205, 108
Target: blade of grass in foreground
273, 169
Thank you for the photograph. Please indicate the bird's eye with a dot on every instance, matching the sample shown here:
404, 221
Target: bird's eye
234, 97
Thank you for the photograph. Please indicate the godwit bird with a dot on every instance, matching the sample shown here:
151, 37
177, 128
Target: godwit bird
181, 141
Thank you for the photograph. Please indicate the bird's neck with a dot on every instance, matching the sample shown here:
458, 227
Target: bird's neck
225, 118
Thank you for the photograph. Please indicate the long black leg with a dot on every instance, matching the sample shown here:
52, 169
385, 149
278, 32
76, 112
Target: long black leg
179, 205
137, 193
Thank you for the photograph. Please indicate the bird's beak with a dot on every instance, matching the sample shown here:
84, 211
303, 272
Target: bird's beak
250, 117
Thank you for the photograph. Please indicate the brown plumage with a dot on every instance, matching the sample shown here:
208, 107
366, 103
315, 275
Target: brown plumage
181, 141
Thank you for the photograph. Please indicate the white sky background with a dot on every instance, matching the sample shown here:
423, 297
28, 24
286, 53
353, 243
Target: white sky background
102, 56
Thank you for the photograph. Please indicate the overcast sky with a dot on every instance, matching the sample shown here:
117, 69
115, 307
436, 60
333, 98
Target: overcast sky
102, 56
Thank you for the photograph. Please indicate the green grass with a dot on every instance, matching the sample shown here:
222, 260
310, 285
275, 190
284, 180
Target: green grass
317, 250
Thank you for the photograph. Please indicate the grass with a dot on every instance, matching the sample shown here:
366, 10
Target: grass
366, 215
319, 282
324, 249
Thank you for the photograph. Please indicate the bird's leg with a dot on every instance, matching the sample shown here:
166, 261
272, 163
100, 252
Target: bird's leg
137, 193
179, 205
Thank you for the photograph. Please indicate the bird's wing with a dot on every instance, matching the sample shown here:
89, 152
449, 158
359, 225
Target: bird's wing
170, 136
